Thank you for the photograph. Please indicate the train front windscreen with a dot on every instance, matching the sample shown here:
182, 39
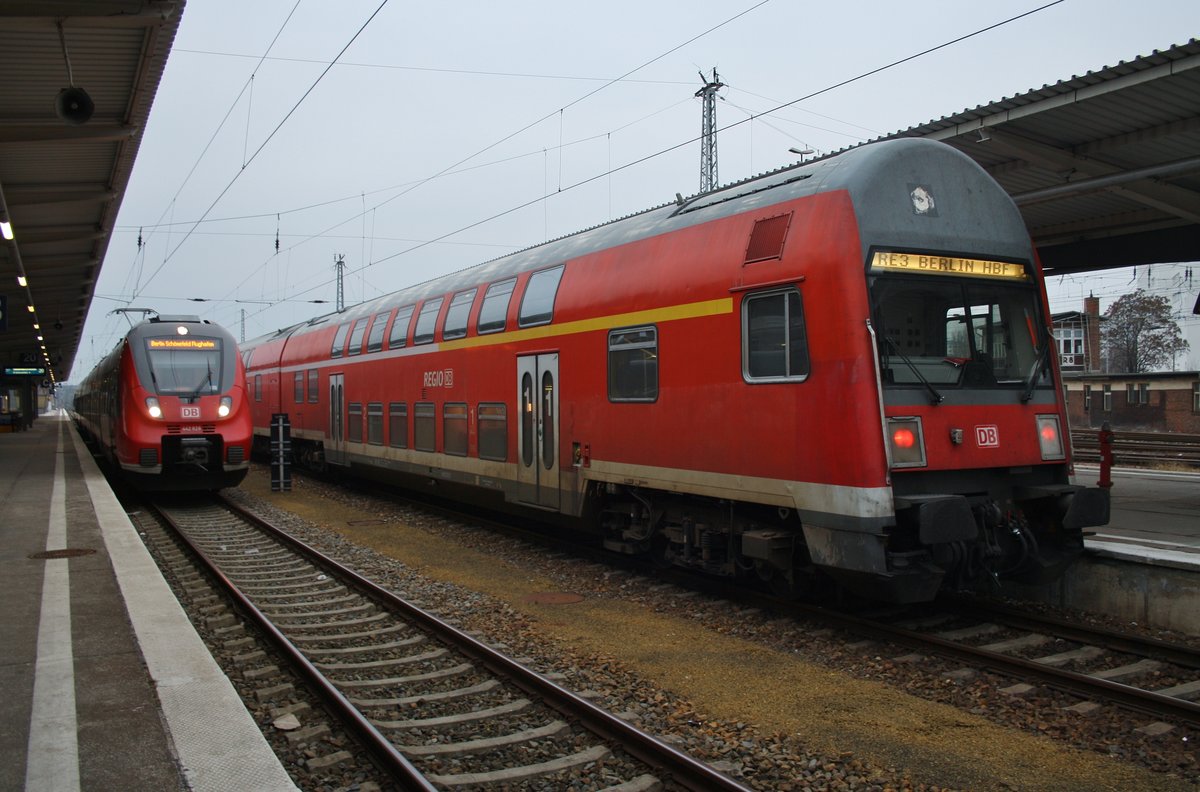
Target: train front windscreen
945, 323
188, 366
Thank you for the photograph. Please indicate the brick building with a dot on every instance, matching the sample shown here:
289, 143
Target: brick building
1167, 401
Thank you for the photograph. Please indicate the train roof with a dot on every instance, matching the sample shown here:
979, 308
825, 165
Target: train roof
859, 171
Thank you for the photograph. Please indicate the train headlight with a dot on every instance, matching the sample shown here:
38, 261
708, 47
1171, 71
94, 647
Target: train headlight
153, 408
906, 442
1050, 437
226, 406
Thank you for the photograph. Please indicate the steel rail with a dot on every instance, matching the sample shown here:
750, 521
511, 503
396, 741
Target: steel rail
1176, 654
391, 760
668, 762
1146, 701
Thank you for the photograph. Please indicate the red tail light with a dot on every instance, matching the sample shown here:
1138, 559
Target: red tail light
906, 443
1050, 437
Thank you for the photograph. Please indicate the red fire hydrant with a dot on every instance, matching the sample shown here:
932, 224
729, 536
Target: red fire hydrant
1106, 456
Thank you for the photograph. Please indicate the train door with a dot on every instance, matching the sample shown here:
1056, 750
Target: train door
537, 430
335, 446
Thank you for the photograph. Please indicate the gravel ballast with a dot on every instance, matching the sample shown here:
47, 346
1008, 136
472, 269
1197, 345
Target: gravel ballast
776, 703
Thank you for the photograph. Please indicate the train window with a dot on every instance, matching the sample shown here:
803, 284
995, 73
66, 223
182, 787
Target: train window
339, 341
775, 342
456, 315
298, 388
426, 321
375, 423
375, 340
633, 364
399, 335
537, 306
356, 337
398, 425
258, 387
493, 432
454, 429
527, 447
944, 331
494, 311
354, 423
423, 426
314, 393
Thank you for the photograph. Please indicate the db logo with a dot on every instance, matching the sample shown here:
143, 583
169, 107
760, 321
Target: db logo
190, 412
987, 436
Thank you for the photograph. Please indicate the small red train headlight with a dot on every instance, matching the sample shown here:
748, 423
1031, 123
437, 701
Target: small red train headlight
906, 442
226, 406
1050, 437
153, 408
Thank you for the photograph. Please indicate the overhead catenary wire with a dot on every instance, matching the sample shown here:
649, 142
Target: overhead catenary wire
269, 137
690, 141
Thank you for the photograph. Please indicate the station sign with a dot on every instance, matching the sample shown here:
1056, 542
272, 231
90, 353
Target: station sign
25, 371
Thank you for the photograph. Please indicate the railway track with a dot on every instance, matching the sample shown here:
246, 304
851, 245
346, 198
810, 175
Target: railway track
435, 707
1139, 448
1150, 676
1097, 665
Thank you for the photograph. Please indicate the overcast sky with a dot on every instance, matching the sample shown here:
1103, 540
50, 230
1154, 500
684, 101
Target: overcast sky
447, 134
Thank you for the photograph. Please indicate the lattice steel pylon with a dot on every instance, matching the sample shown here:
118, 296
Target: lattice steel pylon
708, 136
339, 266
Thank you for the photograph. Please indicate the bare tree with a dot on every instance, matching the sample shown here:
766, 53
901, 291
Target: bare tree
1139, 334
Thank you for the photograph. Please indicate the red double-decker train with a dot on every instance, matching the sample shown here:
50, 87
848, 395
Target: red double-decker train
168, 408
840, 369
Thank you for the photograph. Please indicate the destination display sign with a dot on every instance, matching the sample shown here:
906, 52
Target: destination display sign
34, 371
181, 343
925, 264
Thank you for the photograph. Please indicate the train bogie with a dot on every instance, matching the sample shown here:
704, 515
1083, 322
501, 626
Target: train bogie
841, 370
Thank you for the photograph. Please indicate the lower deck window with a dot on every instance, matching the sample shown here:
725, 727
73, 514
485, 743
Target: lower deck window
398, 425
423, 426
493, 432
454, 429
375, 423
354, 424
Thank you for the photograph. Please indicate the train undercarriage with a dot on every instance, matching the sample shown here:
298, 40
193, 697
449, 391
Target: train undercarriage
937, 542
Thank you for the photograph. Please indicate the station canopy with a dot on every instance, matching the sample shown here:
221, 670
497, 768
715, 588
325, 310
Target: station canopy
1104, 166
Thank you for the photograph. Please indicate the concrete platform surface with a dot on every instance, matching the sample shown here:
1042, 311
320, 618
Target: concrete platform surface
106, 683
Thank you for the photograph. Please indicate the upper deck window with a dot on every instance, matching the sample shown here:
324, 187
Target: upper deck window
356, 337
494, 311
339, 341
399, 335
375, 340
457, 314
537, 306
427, 321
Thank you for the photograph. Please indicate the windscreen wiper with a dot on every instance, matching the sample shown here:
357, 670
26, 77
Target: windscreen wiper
206, 381
1038, 365
934, 396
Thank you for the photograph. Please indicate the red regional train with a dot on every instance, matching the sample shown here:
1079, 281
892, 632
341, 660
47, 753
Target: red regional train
168, 408
841, 366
